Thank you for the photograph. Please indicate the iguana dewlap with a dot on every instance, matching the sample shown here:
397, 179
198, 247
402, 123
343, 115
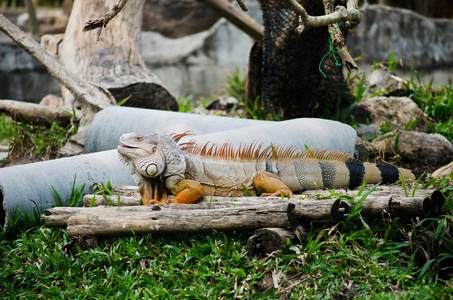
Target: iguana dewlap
158, 163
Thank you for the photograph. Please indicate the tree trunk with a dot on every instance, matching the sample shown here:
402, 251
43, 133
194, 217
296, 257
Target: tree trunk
114, 60
292, 82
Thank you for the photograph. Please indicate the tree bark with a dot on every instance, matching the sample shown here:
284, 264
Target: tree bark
114, 60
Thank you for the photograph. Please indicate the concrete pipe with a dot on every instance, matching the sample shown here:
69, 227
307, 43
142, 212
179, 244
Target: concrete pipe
109, 124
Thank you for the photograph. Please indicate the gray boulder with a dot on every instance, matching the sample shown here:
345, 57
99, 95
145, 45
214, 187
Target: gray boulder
432, 149
397, 111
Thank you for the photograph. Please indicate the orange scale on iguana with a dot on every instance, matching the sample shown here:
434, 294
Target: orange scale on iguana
159, 164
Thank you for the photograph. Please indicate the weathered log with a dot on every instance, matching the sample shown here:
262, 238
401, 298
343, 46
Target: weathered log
410, 207
318, 211
37, 114
59, 216
110, 223
374, 205
267, 240
377, 203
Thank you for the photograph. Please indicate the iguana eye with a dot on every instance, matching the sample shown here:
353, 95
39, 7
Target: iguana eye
154, 150
138, 138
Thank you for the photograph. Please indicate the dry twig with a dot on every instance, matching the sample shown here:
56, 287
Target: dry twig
103, 21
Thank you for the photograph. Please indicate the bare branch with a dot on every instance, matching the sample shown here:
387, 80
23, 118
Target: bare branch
337, 39
102, 21
351, 14
242, 5
237, 17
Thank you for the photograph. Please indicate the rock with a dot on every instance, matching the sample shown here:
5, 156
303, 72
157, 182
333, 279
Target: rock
445, 171
398, 111
52, 101
222, 106
432, 149
223, 103
368, 131
381, 80
361, 149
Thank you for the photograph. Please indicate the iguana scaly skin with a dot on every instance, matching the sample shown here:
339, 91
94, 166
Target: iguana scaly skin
158, 163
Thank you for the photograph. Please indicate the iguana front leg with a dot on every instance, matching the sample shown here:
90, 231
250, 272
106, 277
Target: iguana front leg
152, 191
186, 191
269, 185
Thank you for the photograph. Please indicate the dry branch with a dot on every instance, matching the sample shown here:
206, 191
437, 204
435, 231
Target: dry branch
350, 14
225, 213
103, 21
337, 39
37, 114
236, 17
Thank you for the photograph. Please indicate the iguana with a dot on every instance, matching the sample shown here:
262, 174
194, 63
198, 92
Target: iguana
189, 171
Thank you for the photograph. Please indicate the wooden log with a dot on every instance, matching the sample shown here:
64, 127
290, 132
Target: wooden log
267, 240
107, 223
318, 211
37, 114
412, 207
374, 205
328, 211
438, 201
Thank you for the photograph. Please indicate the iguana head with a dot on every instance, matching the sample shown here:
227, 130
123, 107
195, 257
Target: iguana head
142, 154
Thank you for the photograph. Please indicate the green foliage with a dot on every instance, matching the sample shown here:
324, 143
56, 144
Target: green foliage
235, 86
76, 197
21, 222
391, 64
437, 103
186, 104
7, 128
106, 190
35, 140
